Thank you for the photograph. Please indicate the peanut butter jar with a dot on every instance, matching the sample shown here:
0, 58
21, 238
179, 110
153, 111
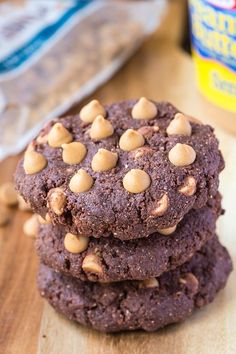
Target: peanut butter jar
213, 25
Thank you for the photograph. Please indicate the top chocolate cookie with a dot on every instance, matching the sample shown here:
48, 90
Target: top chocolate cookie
129, 168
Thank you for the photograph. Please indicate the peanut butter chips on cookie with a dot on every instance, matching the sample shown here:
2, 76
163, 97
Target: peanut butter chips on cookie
101, 128
89, 112
56, 201
58, 135
182, 155
144, 109
34, 162
81, 182
104, 160
136, 181
179, 126
75, 244
73, 153
131, 140
133, 160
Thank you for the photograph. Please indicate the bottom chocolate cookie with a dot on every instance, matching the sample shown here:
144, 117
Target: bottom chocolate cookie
148, 305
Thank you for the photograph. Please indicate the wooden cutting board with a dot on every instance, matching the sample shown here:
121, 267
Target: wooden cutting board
29, 325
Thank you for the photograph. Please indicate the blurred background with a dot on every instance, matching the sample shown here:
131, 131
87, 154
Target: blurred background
55, 53
55, 56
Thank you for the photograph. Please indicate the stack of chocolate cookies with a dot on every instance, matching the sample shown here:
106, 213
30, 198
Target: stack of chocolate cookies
128, 201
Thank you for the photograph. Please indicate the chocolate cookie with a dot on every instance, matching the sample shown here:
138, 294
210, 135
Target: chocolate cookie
147, 305
110, 259
139, 169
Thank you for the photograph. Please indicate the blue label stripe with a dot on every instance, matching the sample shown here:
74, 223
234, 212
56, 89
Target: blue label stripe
20, 56
208, 54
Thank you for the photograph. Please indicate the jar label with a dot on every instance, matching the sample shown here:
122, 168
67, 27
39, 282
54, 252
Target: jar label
214, 49
224, 4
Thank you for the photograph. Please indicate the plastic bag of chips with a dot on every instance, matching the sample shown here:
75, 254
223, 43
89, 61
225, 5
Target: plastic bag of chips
54, 53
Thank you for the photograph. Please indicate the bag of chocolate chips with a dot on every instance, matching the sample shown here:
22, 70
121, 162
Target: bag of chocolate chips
54, 53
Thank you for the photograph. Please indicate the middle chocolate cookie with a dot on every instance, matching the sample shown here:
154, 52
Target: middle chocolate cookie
110, 259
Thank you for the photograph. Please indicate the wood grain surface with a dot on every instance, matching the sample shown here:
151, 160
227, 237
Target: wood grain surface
161, 71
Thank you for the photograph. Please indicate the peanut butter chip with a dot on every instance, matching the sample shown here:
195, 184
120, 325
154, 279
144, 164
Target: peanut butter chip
167, 231
45, 221
47, 218
149, 283
104, 160
144, 109
161, 206
179, 126
75, 243
136, 181
30, 227
101, 128
41, 220
190, 281
182, 155
188, 188
33, 162
81, 182
8, 194
57, 200
73, 153
91, 263
131, 140
22, 205
59, 135
89, 112
30, 147
42, 139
